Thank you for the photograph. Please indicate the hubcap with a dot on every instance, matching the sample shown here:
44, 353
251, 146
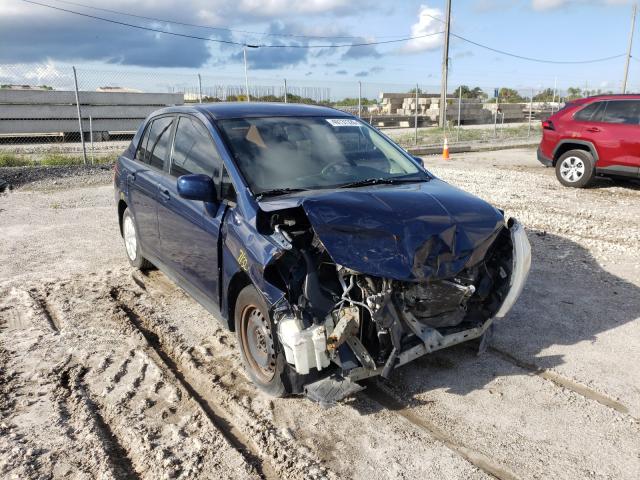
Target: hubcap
572, 169
130, 241
258, 343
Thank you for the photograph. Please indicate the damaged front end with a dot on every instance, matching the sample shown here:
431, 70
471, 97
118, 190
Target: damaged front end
339, 325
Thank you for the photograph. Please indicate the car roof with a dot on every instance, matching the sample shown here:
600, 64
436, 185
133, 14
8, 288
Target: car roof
224, 110
612, 96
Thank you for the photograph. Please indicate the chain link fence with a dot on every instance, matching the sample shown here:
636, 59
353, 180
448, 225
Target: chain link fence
52, 111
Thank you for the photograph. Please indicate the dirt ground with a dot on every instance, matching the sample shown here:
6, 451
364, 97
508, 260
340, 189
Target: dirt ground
109, 373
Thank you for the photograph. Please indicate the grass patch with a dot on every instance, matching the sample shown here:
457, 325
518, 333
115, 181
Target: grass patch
51, 160
12, 160
435, 135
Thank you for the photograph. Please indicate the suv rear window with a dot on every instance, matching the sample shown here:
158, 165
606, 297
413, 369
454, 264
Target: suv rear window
590, 113
623, 111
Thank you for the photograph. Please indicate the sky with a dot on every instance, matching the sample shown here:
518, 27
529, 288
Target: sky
45, 40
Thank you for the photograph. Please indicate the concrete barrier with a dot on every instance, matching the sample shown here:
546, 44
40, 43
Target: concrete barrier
24, 112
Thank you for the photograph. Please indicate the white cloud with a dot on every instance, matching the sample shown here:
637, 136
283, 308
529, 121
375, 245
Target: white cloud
552, 4
426, 25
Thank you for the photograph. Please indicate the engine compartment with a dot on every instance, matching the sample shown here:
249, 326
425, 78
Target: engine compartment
354, 325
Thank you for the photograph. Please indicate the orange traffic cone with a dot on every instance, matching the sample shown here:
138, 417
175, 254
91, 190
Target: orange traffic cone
445, 150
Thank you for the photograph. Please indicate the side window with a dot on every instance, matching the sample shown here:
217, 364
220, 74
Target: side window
159, 142
590, 112
622, 111
194, 150
141, 152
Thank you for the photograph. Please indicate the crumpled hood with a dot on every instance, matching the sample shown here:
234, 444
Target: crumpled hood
411, 232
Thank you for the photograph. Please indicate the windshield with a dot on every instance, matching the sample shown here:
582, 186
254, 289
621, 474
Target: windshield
284, 154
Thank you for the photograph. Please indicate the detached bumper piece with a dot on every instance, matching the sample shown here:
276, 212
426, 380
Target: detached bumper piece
328, 391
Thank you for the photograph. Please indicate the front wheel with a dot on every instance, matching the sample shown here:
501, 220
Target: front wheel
265, 365
132, 243
575, 168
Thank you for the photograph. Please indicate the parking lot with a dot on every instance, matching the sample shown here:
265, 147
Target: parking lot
109, 373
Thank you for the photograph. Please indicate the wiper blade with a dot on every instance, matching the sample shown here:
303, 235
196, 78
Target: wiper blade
280, 191
379, 181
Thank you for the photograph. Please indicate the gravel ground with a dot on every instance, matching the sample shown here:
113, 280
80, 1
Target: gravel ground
108, 373
41, 177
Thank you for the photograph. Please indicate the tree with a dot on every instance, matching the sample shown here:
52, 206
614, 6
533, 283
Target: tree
546, 95
573, 93
413, 90
468, 92
509, 95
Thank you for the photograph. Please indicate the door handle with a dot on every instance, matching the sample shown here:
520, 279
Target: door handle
593, 129
164, 193
131, 178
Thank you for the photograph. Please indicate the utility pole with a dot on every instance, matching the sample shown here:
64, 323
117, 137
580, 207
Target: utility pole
626, 66
445, 68
246, 77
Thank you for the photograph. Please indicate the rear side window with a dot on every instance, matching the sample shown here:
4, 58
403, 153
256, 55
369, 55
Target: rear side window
141, 152
194, 150
623, 111
590, 113
159, 142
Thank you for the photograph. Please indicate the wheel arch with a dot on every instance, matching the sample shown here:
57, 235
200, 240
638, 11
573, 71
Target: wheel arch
122, 206
239, 280
570, 144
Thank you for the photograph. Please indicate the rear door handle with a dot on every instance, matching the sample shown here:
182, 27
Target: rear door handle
131, 178
593, 129
165, 195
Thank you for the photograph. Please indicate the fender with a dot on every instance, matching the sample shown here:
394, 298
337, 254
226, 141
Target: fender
245, 251
585, 143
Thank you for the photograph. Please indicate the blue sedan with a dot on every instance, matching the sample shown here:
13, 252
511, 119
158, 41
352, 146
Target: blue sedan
331, 252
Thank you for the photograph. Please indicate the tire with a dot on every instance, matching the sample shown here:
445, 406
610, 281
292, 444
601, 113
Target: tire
132, 243
263, 361
575, 168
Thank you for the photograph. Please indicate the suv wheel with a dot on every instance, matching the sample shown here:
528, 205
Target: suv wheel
263, 362
131, 243
575, 168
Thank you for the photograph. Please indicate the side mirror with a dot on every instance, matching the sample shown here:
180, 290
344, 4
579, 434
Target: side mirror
197, 187
419, 160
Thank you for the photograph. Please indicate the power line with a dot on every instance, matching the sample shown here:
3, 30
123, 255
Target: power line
228, 42
522, 57
209, 27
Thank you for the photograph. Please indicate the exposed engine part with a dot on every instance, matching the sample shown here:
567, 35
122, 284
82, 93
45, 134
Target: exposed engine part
438, 304
347, 324
281, 237
303, 348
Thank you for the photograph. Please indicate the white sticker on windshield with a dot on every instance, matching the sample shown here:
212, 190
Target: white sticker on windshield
343, 122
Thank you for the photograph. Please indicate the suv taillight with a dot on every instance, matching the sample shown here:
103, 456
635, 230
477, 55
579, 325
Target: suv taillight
548, 125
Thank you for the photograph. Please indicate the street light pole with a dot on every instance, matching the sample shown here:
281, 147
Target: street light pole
626, 66
445, 68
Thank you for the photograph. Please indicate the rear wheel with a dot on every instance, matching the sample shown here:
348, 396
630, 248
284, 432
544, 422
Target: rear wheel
575, 168
266, 367
131, 242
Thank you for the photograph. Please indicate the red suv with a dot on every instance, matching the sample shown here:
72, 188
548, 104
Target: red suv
595, 136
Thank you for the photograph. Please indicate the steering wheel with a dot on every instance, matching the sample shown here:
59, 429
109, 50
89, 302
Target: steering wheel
336, 167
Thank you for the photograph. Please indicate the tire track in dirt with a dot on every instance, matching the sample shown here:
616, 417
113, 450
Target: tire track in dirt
233, 402
45, 309
219, 419
562, 382
489, 466
76, 395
